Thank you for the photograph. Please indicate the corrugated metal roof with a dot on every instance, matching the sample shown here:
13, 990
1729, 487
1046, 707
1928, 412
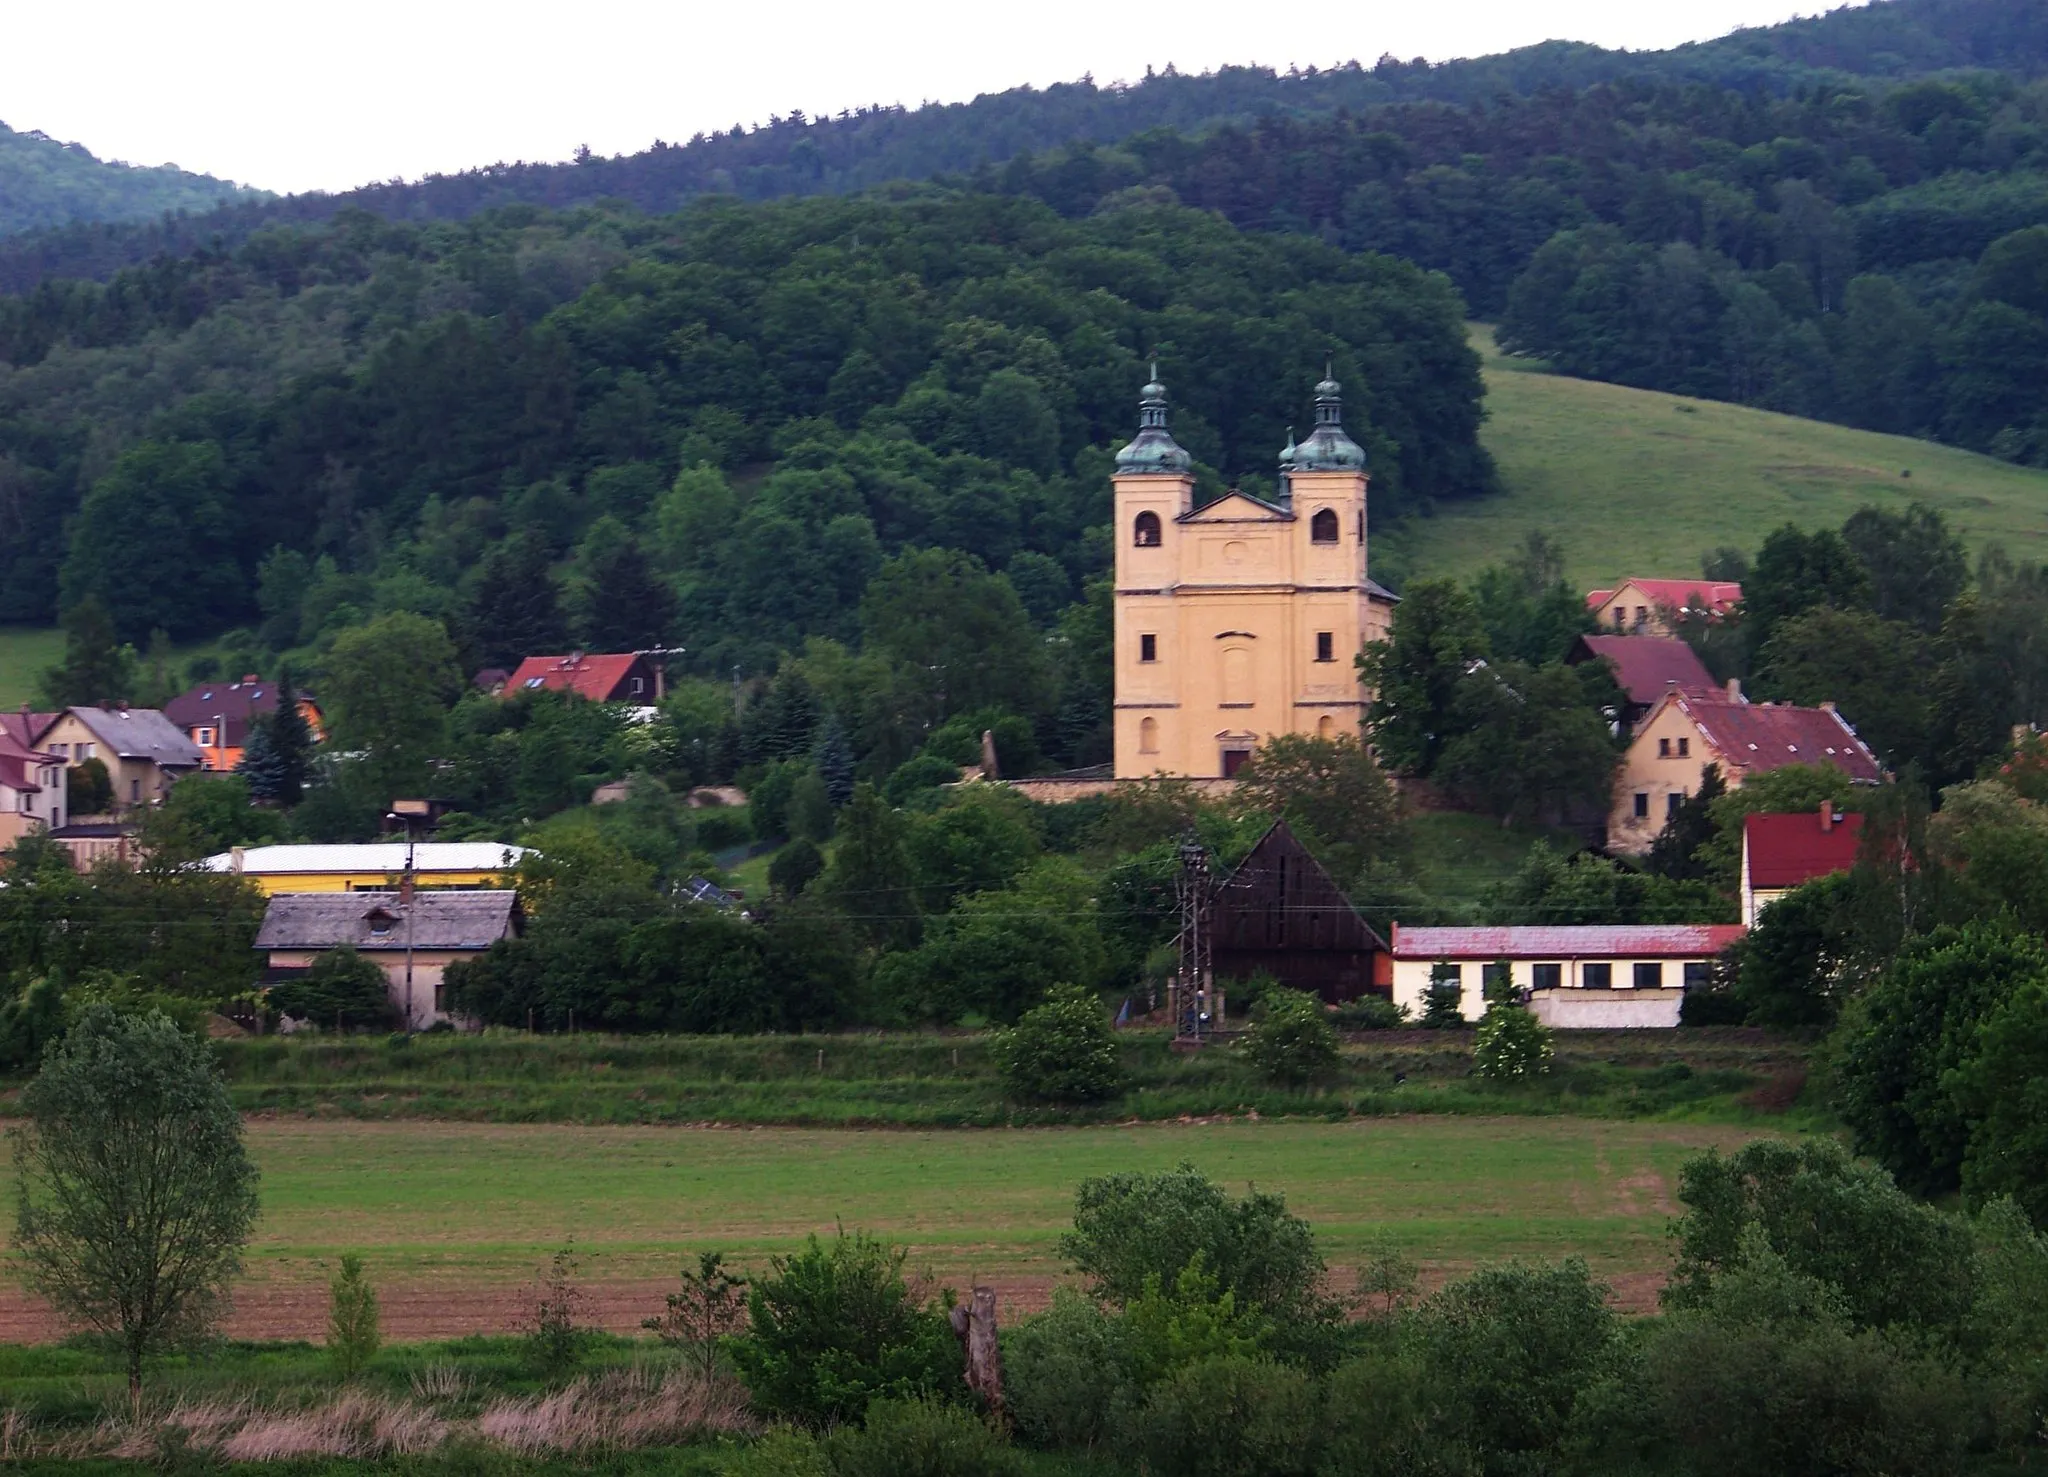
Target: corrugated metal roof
374, 921
1580, 941
387, 857
1786, 850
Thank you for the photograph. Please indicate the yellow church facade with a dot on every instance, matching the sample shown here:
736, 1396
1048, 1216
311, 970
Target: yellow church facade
1238, 620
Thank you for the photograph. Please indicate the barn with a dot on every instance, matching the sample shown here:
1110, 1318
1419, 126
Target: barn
1279, 913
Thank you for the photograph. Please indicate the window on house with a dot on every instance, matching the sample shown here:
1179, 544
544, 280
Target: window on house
639, 686
135, 792
1685, 748
1326, 646
205, 738
62, 751
1671, 803
1148, 647
1663, 748
1145, 532
1698, 974
1495, 977
86, 751
1597, 976
1546, 976
1621, 617
1322, 529
1642, 616
1650, 976
1642, 805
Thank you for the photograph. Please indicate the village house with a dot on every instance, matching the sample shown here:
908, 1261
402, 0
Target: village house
1580, 977
635, 677
1645, 668
216, 716
1781, 852
373, 866
1687, 731
31, 789
1642, 607
1239, 619
1279, 913
412, 938
143, 751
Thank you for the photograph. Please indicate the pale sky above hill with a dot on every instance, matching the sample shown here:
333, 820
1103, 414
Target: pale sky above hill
295, 96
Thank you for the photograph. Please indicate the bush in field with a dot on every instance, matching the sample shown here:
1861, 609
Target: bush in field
1230, 1417
1377, 1419
921, 1438
1067, 1376
1370, 1013
352, 1332
555, 1342
1063, 1051
836, 1327
1511, 1045
1291, 1041
128, 1113
711, 1306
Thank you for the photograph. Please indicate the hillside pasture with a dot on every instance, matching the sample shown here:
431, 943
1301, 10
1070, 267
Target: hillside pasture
24, 652
1640, 482
453, 1220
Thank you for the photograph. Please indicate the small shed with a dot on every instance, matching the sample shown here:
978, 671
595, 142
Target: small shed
1280, 913
412, 939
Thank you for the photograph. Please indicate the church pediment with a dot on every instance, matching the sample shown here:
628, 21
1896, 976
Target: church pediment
1237, 507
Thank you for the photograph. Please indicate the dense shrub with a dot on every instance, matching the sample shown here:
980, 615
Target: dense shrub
1511, 1045
1063, 1051
1376, 1419
921, 1438
1370, 1013
835, 1327
1291, 1041
341, 989
1067, 1374
1230, 1417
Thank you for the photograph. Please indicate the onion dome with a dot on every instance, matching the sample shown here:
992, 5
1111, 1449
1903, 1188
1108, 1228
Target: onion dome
1153, 449
1327, 448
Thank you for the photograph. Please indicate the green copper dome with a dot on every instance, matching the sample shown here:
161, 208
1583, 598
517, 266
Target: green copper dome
1153, 449
1327, 448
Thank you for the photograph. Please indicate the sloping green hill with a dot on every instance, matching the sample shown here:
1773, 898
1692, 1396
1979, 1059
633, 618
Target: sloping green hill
46, 183
1636, 482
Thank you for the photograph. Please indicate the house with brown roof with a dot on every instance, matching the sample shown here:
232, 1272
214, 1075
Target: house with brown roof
1645, 668
1687, 731
216, 716
1781, 852
1646, 607
604, 677
412, 937
143, 751
1576, 977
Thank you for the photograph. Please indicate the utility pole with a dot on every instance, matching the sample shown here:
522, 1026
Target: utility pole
1191, 1022
406, 890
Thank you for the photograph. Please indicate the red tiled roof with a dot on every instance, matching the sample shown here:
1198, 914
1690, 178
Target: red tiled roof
18, 762
1786, 850
1765, 736
1649, 666
25, 727
1579, 941
593, 675
1719, 596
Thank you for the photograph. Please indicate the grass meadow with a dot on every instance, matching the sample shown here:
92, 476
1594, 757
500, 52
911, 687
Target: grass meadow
1641, 482
454, 1219
24, 652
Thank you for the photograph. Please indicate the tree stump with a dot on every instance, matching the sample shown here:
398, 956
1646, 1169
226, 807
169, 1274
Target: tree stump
974, 1324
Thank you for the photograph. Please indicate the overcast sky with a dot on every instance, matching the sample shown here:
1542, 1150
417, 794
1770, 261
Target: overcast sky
298, 96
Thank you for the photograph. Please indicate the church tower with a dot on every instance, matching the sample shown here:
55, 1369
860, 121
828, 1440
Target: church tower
1238, 620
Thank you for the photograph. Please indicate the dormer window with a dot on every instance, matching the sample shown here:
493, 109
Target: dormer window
1322, 529
380, 922
1145, 532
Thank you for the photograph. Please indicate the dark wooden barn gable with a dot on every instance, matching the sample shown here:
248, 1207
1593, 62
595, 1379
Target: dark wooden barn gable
1279, 913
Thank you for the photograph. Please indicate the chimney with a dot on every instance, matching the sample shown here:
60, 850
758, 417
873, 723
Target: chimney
988, 755
235, 859
1827, 815
251, 680
1734, 689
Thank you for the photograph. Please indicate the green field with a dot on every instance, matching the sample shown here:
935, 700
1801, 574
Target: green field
24, 652
1638, 482
452, 1217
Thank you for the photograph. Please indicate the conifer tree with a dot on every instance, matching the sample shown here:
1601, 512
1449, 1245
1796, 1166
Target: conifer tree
622, 604
869, 880
96, 667
278, 759
833, 756
514, 610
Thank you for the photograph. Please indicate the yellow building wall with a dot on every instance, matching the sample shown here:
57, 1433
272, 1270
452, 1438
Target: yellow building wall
135, 781
1647, 771
1233, 598
270, 883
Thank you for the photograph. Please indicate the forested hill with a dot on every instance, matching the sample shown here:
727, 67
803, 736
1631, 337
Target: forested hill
44, 183
798, 155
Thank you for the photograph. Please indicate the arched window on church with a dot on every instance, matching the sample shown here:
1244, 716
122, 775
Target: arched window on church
1326, 727
1148, 735
1322, 529
1146, 532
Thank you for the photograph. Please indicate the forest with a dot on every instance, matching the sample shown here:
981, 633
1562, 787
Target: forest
46, 184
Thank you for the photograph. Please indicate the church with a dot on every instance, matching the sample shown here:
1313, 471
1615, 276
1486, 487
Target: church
1240, 619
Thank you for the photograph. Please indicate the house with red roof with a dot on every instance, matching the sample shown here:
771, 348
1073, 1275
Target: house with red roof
31, 788
1577, 977
1781, 852
1646, 607
1645, 668
604, 677
1687, 731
